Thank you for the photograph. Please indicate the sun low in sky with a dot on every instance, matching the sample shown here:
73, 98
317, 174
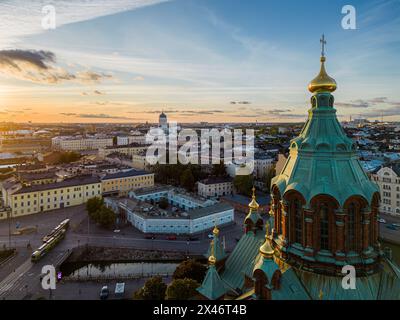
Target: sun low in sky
197, 60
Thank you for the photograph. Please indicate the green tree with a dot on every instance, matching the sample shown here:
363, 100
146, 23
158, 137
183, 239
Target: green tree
187, 179
219, 170
273, 131
153, 289
182, 289
106, 217
190, 269
163, 204
93, 205
268, 177
243, 184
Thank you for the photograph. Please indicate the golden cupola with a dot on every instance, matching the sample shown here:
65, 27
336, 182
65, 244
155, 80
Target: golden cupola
253, 204
216, 231
322, 82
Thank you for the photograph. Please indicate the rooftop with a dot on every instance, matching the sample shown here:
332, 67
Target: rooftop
76, 181
216, 180
150, 211
126, 174
131, 145
262, 199
29, 176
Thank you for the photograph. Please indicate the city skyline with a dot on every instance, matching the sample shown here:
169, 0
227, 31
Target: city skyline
215, 61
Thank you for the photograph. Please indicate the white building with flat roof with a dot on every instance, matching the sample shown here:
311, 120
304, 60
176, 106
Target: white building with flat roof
186, 214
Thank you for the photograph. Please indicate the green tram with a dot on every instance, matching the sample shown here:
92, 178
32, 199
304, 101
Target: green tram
63, 225
48, 245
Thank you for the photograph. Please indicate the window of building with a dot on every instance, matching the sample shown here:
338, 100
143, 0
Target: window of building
298, 221
350, 237
324, 225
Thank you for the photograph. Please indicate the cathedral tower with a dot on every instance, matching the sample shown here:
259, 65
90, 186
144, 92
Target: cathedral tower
324, 205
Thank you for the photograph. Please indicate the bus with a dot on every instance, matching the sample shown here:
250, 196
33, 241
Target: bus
48, 245
63, 225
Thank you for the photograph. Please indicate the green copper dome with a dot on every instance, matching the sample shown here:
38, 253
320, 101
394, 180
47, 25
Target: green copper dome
323, 160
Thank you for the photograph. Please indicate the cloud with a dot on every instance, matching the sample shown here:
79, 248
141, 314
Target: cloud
379, 100
270, 114
39, 66
138, 78
354, 104
360, 103
98, 92
201, 112
185, 112
93, 116
21, 18
240, 102
68, 114
393, 111
13, 111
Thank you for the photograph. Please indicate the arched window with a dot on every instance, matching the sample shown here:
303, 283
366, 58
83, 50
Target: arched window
298, 221
260, 282
324, 226
350, 237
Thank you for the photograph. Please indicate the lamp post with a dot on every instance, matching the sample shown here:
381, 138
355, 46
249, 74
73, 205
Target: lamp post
8, 210
88, 229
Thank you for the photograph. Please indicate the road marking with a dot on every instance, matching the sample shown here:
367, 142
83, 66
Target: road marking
9, 282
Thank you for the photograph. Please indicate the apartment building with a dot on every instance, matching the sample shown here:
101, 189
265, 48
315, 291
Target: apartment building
215, 187
125, 140
70, 143
129, 150
262, 164
25, 200
388, 180
122, 182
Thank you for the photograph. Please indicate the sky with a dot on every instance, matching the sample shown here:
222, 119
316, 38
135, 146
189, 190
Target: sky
196, 60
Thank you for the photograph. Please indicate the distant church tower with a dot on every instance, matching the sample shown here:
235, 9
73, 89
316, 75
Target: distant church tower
163, 122
324, 205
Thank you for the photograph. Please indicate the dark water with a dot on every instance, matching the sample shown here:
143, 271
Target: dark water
123, 269
395, 250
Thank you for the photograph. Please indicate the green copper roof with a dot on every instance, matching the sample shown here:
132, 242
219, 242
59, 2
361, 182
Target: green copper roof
254, 216
291, 288
268, 266
323, 160
379, 286
242, 259
212, 286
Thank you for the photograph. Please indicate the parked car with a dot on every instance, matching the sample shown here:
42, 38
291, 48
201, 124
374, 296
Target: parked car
193, 239
150, 236
397, 225
381, 220
104, 293
171, 237
392, 227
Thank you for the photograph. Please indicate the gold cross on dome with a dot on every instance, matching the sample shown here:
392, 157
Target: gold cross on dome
323, 43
